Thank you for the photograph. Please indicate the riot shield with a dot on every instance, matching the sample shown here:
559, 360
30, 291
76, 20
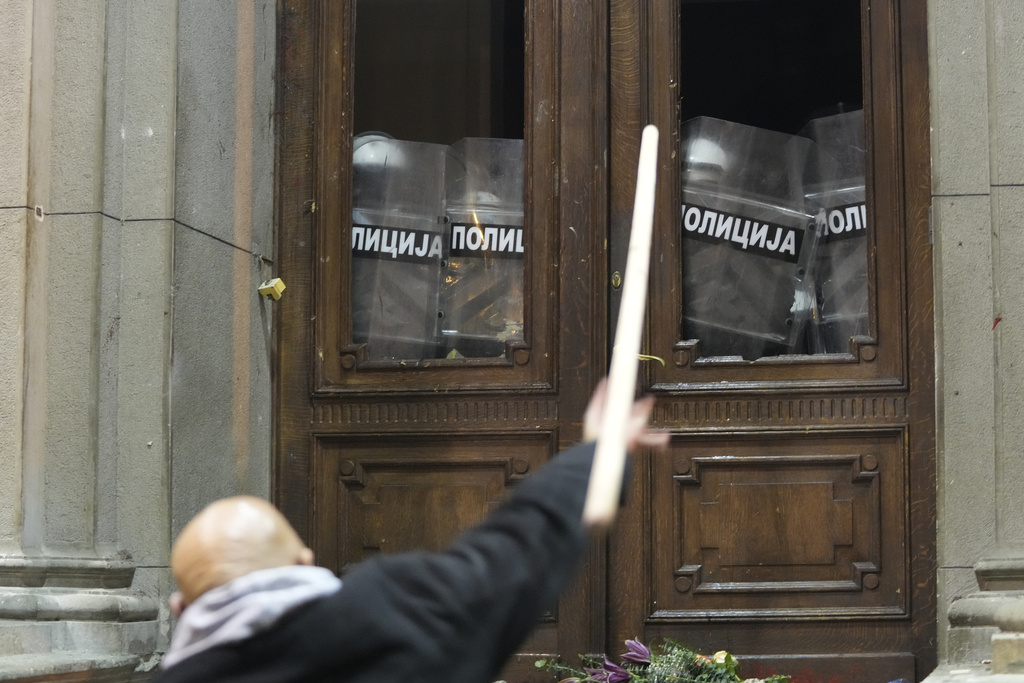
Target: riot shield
481, 305
748, 240
398, 245
842, 268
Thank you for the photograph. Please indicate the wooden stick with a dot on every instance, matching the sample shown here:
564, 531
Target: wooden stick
604, 488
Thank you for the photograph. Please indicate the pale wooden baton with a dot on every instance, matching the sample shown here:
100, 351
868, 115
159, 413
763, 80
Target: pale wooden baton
604, 488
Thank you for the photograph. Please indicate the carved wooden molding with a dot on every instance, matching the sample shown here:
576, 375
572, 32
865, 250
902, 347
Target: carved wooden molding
352, 473
353, 358
739, 545
863, 576
435, 413
862, 467
862, 349
770, 410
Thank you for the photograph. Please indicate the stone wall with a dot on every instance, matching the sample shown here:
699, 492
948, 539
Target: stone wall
977, 118
136, 193
223, 250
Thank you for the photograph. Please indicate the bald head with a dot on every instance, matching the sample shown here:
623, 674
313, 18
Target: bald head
230, 538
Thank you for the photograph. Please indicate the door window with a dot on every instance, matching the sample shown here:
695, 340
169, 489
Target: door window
437, 179
773, 220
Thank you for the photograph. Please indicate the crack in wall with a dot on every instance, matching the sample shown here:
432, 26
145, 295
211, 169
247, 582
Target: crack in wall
260, 257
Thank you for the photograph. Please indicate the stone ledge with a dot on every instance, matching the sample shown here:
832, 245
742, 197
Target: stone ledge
67, 604
71, 666
69, 572
972, 674
23, 638
1002, 569
979, 609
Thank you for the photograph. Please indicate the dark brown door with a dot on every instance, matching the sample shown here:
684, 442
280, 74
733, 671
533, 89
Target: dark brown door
792, 519
398, 428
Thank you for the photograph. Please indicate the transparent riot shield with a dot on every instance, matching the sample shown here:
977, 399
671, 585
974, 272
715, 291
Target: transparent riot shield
397, 246
842, 266
748, 240
482, 280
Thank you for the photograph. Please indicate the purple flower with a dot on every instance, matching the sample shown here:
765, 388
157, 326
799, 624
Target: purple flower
608, 673
616, 674
638, 653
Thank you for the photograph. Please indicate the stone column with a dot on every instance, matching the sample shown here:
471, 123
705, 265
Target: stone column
15, 60
978, 206
89, 89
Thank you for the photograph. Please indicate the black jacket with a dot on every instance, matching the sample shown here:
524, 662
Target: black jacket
448, 617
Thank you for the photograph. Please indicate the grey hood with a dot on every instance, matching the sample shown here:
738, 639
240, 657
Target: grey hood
245, 607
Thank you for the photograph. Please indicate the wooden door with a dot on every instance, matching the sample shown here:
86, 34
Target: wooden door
378, 454
792, 520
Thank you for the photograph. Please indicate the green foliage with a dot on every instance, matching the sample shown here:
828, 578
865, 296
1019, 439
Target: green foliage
673, 662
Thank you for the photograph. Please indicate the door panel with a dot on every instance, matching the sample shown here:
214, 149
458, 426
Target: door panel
780, 526
388, 492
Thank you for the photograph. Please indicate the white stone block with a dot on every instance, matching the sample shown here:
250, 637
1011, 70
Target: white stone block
966, 378
1008, 653
959, 97
15, 85
1007, 96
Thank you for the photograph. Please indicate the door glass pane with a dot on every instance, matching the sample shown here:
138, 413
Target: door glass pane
773, 217
437, 188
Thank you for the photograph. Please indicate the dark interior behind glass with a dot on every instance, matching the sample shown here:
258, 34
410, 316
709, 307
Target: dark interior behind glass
773, 64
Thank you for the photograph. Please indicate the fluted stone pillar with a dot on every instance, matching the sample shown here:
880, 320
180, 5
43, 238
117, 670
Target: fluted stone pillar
88, 107
976, 64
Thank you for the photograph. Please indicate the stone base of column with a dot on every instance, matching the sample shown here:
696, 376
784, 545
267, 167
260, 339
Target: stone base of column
74, 619
971, 674
972, 621
80, 668
985, 645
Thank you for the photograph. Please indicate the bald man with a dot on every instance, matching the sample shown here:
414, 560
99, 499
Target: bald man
254, 608
229, 539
